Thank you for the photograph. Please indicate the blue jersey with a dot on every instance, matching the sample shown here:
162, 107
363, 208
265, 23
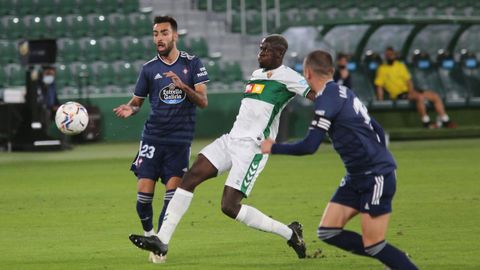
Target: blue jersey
356, 137
172, 115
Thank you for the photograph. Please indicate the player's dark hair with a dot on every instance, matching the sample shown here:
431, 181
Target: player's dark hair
342, 55
278, 42
166, 19
320, 62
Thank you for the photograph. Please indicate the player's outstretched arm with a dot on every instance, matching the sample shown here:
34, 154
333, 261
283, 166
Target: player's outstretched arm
129, 109
198, 95
307, 146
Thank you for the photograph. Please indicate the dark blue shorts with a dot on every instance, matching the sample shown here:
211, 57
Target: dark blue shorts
154, 161
370, 194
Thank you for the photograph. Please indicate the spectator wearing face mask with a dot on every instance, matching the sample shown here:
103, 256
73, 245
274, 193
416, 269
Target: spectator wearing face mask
394, 78
49, 90
341, 75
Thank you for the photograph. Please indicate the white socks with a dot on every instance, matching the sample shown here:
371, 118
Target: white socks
255, 219
425, 118
150, 233
175, 211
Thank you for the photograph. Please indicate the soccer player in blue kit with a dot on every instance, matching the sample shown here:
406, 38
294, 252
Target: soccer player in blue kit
369, 185
174, 82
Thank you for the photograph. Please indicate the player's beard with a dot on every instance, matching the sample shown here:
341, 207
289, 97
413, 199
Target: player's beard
168, 49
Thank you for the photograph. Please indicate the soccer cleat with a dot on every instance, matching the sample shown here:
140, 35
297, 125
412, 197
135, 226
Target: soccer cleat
150, 243
296, 242
156, 258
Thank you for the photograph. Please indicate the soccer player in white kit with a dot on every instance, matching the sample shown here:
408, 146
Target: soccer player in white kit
267, 92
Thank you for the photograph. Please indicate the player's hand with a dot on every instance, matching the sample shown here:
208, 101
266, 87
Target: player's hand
175, 79
123, 111
266, 146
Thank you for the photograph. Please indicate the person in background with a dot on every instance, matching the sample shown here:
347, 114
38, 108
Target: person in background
393, 77
49, 91
341, 75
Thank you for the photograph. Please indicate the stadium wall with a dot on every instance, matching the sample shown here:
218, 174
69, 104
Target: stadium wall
220, 114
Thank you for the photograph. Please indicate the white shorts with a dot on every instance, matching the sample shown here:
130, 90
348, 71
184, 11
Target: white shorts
241, 156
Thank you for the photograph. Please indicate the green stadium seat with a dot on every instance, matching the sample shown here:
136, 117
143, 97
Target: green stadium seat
58, 26
6, 7
104, 75
37, 28
16, 75
424, 74
109, 6
85, 7
64, 76
452, 79
232, 72
471, 71
99, 25
128, 6
25, 7
78, 26
46, 7
214, 71
67, 7
199, 47
254, 22
119, 25
126, 74
3, 77
14, 28
8, 52
69, 50
112, 49
141, 26
134, 49
92, 51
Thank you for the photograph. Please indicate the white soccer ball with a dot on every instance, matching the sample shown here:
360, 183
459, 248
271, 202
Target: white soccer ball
71, 118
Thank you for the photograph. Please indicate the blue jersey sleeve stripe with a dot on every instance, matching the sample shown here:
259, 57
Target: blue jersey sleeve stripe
139, 96
202, 82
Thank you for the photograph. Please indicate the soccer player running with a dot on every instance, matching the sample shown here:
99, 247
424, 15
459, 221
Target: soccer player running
267, 92
369, 185
174, 82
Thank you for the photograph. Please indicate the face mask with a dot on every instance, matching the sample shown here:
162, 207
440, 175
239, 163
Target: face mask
390, 61
48, 79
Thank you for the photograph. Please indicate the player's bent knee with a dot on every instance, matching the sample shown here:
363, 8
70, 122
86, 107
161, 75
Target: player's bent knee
326, 233
230, 209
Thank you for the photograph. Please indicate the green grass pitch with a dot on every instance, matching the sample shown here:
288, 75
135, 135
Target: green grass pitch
75, 209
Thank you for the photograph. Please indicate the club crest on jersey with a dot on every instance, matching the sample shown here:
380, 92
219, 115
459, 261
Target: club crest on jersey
254, 88
171, 95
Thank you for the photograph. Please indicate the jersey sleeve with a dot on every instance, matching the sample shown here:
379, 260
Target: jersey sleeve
327, 106
199, 71
141, 87
298, 85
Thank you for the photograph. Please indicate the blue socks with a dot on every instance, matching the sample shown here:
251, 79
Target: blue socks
390, 256
352, 242
346, 240
145, 210
166, 199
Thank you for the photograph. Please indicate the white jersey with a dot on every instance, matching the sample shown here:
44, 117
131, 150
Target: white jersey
266, 94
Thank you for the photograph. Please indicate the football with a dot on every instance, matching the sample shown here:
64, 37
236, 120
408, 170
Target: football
71, 118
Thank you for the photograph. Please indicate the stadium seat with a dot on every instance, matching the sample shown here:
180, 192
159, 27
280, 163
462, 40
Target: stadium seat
99, 25
214, 71
69, 50
112, 49
141, 26
78, 26
119, 24
134, 49
58, 26
8, 52
199, 47
452, 79
104, 74
471, 70
16, 75
424, 73
45, 7
92, 51
64, 76
232, 72
3, 77
128, 6
37, 28
125, 74
14, 28
25, 7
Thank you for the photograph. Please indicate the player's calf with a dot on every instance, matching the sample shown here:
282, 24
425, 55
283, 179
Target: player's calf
346, 240
390, 256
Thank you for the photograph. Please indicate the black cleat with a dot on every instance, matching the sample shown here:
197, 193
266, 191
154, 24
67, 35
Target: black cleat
150, 243
296, 242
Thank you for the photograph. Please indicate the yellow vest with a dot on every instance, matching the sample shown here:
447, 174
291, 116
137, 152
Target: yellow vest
393, 78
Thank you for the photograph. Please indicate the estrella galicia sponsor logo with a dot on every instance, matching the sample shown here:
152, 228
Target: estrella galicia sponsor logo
171, 95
